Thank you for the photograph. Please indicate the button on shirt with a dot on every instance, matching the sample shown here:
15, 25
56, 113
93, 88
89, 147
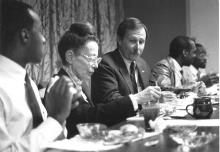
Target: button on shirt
16, 133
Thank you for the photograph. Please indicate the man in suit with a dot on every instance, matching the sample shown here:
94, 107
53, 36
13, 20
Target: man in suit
25, 124
78, 49
122, 73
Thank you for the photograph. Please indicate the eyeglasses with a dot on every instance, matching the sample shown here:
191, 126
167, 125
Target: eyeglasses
93, 60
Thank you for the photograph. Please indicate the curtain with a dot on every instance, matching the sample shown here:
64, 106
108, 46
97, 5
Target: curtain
56, 17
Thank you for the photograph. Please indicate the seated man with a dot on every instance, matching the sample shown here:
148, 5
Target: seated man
25, 125
168, 71
78, 49
122, 73
196, 71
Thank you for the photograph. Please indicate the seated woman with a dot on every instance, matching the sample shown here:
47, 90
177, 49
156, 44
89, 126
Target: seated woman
78, 49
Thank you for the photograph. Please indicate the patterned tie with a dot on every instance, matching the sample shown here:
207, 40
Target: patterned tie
32, 102
132, 76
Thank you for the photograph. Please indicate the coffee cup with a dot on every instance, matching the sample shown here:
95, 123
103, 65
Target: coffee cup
151, 111
202, 108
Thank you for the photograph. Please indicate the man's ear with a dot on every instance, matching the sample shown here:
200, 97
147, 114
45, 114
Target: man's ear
24, 35
69, 55
119, 40
185, 53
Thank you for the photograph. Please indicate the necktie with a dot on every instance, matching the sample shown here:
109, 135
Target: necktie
182, 78
32, 102
132, 76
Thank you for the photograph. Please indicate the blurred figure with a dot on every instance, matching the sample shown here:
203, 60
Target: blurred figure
122, 73
25, 124
196, 71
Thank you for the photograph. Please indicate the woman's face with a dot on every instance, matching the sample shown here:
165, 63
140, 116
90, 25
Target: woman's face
85, 63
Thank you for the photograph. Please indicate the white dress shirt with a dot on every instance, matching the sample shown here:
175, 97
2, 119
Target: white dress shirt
178, 75
190, 74
133, 99
16, 132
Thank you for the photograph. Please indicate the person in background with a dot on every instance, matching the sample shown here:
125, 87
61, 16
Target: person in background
196, 71
122, 73
78, 49
25, 124
168, 72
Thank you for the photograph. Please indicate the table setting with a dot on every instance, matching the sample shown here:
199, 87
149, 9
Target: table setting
175, 123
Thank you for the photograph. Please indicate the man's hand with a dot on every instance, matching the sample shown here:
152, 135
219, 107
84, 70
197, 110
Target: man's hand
151, 93
199, 88
210, 79
59, 99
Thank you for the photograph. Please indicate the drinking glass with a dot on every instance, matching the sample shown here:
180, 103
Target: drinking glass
151, 111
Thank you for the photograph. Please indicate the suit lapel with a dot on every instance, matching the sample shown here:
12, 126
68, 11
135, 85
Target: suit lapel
172, 71
87, 92
123, 70
142, 74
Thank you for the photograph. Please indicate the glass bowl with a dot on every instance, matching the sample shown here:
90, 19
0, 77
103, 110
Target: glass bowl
91, 130
193, 139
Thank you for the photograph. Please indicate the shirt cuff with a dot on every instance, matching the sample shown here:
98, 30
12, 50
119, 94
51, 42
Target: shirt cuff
134, 102
50, 129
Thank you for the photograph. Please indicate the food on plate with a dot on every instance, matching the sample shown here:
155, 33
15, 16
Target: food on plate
91, 130
129, 129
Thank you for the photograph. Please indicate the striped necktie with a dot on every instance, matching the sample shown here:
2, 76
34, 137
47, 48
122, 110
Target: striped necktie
132, 76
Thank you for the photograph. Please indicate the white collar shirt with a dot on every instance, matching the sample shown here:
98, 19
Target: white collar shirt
16, 132
190, 74
128, 64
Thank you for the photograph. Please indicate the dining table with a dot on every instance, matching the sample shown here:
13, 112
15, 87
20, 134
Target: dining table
162, 142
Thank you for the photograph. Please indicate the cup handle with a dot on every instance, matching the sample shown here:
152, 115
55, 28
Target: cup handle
188, 111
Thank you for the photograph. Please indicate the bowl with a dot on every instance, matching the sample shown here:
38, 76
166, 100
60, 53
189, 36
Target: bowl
193, 140
92, 130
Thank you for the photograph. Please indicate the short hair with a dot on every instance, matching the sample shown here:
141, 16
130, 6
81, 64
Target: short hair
130, 23
14, 16
178, 44
200, 49
75, 38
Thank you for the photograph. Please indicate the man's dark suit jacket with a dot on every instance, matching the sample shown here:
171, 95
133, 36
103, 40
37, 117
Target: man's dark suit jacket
108, 114
111, 81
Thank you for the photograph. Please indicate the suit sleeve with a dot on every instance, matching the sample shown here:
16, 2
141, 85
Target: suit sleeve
105, 85
162, 74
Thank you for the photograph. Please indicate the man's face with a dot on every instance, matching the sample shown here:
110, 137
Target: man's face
35, 46
200, 60
132, 44
188, 59
85, 63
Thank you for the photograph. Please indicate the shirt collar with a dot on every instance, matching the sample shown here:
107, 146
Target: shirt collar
126, 61
12, 68
193, 69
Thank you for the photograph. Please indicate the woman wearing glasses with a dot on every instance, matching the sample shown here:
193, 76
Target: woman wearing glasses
78, 49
